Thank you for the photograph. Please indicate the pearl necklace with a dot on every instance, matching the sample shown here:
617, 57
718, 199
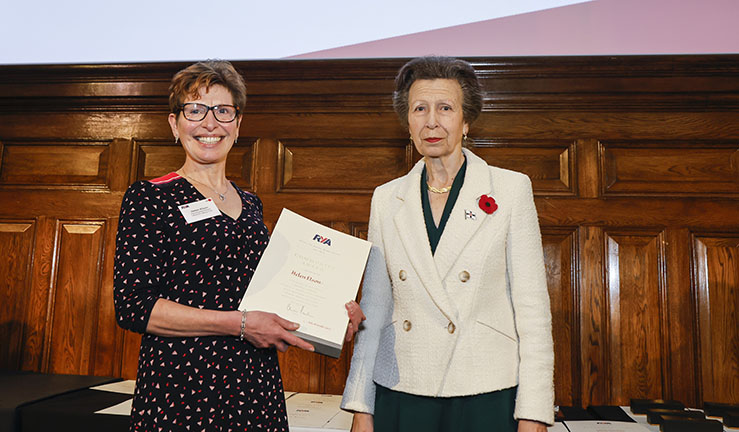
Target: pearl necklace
221, 196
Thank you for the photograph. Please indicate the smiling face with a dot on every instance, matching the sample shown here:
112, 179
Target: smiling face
435, 117
207, 141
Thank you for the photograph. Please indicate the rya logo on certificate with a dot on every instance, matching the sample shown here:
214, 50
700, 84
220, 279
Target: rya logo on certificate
322, 240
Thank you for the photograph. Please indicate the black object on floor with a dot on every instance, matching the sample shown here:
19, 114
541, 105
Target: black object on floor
654, 416
731, 419
573, 413
718, 409
19, 388
610, 412
683, 424
640, 406
73, 412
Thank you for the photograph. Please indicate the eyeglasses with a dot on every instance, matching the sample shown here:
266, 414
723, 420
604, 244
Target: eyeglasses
198, 111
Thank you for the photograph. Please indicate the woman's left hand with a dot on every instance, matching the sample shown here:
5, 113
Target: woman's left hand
356, 316
531, 426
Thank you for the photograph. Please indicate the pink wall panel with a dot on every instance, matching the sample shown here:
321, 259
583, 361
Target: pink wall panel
599, 27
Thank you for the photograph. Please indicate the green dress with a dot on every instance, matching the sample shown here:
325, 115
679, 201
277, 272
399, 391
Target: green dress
404, 412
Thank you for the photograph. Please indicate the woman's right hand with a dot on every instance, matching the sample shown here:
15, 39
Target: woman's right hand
264, 330
362, 422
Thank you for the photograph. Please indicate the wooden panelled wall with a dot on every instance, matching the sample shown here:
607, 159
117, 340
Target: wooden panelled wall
634, 161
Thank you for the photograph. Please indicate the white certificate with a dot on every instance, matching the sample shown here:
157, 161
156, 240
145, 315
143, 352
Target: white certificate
308, 412
306, 275
603, 426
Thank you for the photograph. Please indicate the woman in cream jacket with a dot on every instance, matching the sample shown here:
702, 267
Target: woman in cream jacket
458, 330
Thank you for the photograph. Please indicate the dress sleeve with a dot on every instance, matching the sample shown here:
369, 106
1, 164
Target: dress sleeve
138, 257
530, 298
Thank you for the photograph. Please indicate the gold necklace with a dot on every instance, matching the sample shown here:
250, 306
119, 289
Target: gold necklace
438, 191
221, 196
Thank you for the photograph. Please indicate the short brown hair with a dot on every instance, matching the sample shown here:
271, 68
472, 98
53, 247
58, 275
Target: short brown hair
433, 67
188, 82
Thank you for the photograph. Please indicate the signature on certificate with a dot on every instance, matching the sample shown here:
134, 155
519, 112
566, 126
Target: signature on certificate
298, 308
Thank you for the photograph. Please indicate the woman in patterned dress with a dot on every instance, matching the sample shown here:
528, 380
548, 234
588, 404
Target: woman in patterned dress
203, 364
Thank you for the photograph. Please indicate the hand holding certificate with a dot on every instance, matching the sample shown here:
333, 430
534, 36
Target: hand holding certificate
306, 274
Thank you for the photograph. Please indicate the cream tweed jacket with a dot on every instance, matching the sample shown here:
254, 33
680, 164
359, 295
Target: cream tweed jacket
472, 318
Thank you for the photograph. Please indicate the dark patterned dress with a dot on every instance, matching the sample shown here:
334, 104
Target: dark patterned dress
214, 383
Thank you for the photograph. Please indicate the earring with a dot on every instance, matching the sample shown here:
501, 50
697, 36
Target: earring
236, 140
176, 139
410, 138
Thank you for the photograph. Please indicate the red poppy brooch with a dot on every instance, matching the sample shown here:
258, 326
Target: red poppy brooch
487, 204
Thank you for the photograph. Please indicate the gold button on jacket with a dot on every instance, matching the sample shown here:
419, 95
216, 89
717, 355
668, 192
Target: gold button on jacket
451, 328
402, 275
464, 275
407, 325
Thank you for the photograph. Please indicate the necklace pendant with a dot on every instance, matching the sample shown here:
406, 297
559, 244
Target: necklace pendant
221, 196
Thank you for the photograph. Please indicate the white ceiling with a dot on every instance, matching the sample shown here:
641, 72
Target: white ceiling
99, 31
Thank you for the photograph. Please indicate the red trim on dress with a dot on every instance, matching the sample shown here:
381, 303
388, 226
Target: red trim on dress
165, 179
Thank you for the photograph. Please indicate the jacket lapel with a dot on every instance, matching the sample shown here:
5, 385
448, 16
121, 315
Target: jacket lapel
460, 229
411, 229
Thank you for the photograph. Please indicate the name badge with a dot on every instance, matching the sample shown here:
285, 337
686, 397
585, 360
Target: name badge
199, 210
